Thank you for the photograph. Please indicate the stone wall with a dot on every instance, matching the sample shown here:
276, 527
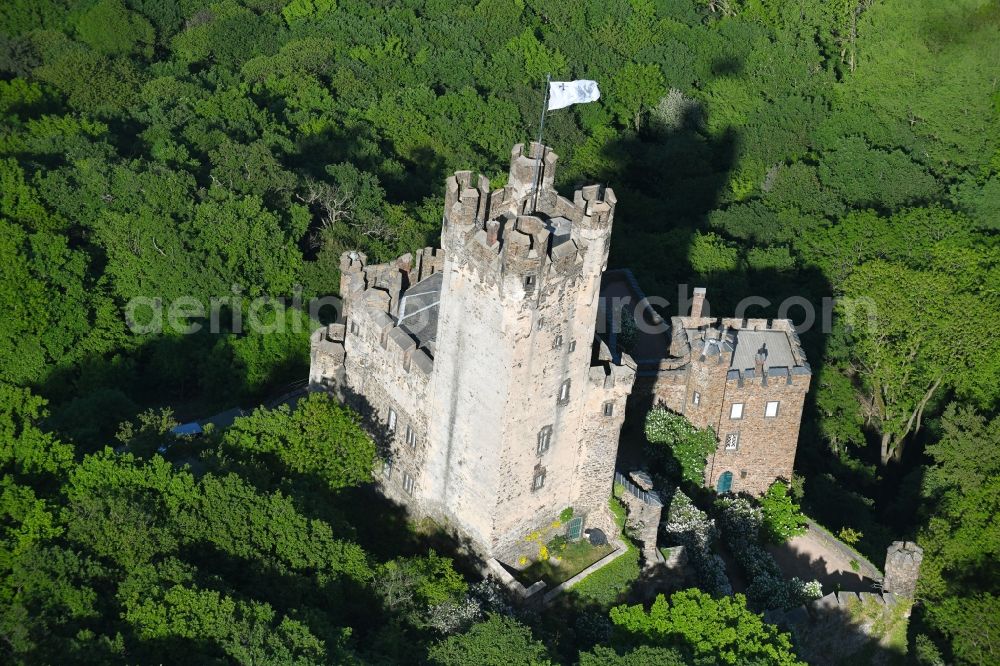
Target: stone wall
846, 628
643, 514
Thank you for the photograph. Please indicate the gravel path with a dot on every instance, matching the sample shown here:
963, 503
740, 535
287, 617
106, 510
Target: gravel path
811, 556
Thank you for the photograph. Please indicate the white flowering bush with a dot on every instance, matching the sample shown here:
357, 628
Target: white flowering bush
742, 524
801, 591
680, 442
487, 597
674, 112
492, 597
451, 616
690, 527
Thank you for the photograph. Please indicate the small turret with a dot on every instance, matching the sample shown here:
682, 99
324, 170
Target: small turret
524, 170
902, 568
465, 207
524, 256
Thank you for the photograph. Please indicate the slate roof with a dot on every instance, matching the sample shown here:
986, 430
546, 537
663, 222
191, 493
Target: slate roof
779, 349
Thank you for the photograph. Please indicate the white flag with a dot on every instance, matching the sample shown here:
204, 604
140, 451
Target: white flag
565, 93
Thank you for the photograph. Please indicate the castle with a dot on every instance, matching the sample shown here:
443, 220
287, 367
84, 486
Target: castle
500, 404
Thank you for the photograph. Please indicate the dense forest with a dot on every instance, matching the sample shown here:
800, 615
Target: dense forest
234, 148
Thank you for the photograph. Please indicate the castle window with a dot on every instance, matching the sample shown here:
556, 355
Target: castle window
539, 481
608, 409
771, 408
736, 411
725, 483
732, 441
387, 469
544, 439
355, 328
392, 420
572, 345
564, 392
408, 483
558, 343
529, 282
411, 436
696, 398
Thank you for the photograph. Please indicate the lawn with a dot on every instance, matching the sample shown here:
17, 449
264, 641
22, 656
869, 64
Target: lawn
575, 558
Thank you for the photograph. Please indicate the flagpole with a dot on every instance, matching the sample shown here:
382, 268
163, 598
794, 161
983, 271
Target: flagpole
538, 159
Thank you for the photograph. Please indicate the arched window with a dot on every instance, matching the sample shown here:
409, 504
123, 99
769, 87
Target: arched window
725, 483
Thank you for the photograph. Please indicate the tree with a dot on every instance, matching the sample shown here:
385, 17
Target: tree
634, 90
499, 641
709, 630
414, 587
320, 437
689, 446
644, 655
110, 28
150, 431
909, 340
782, 518
840, 422
865, 177
961, 539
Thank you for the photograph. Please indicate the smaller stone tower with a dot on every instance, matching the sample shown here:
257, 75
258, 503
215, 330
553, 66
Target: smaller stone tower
902, 568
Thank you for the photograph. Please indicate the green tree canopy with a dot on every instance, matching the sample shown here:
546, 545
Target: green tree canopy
782, 518
499, 641
320, 437
718, 631
961, 540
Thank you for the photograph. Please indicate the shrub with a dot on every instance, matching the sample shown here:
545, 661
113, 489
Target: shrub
693, 529
716, 631
849, 536
557, 544
742, 527
782, 518
498, 640
566, 514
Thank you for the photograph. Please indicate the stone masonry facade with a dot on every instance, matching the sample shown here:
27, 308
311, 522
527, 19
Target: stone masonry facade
747, 379
498, 404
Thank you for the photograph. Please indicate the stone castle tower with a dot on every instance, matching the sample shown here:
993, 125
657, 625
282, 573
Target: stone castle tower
501, 404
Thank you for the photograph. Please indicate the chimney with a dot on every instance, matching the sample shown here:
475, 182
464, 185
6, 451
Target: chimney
759, 362
697, 302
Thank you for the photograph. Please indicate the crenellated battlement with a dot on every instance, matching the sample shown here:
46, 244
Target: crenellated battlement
523, 235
